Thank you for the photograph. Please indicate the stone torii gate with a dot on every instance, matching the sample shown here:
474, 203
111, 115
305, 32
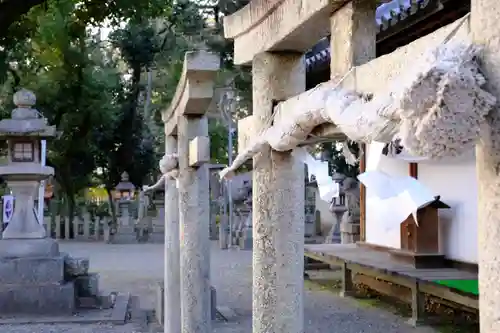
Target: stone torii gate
271, 36
187, 210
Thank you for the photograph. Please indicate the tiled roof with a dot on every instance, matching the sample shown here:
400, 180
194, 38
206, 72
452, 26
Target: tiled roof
386, 15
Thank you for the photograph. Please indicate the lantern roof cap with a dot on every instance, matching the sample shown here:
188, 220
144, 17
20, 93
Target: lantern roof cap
26, 121
125, 184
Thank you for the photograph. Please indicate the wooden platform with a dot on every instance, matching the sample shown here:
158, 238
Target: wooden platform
378, 264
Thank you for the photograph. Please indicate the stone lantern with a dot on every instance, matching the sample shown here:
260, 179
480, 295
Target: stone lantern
125, 190
24, 171
31, 266
124, 193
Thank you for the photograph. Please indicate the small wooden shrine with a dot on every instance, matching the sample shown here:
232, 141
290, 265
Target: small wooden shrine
420, 239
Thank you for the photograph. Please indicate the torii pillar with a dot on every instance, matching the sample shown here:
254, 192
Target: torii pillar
185, 119
278, 179
272, 36
485, 15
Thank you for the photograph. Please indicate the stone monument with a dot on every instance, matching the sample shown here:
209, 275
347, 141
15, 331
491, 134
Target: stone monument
35, 278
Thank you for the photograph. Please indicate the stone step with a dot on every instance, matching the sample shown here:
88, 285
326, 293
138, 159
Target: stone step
96, 302
118, 314
51, 298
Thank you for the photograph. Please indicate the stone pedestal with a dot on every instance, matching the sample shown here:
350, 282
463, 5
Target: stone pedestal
36, 279
32, 278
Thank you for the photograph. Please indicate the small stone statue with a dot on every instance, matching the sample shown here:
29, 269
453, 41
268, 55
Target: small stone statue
168, 168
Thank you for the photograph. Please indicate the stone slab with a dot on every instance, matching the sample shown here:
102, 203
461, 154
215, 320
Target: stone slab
31, 270
37, 299
23, 248
87, 285
118, 315
96, 302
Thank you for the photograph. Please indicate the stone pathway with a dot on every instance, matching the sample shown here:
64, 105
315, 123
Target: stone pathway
137, 269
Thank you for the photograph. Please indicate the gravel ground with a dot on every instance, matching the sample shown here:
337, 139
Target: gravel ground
138, 268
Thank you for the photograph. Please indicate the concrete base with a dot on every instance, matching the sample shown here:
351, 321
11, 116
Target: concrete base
41, 299
24, 248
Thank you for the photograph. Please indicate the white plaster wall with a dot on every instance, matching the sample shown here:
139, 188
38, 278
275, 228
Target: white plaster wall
455, 182
375, 232
457, 185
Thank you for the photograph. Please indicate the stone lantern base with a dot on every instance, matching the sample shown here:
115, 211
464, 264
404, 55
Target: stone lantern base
36, 279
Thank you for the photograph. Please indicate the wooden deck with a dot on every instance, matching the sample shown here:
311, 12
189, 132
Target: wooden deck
356, 259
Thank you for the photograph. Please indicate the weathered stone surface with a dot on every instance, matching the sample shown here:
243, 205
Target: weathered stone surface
37, 298
23, 248
194, 219
87, 285
21, 271
278, 206
74, 267
172, 274
276, 25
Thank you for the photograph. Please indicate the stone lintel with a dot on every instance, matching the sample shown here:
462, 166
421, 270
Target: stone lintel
278, 25
199, 151
195, 88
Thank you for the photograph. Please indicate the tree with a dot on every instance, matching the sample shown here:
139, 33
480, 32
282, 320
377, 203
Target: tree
81, 91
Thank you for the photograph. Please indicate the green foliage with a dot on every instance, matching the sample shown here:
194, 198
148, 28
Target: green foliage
94, 90
332, 152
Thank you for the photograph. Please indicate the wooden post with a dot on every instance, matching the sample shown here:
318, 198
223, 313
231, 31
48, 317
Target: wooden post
413, 170
347, 283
